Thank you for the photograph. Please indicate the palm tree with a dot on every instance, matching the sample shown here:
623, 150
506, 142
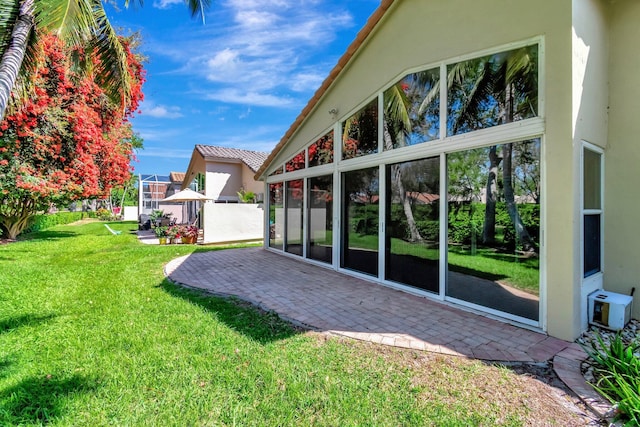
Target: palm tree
78, 22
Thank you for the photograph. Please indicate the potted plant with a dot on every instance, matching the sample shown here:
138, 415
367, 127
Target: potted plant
161, 234
174, 233
189, 234
156, 216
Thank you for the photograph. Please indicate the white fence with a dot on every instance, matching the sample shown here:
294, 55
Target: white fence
232, 222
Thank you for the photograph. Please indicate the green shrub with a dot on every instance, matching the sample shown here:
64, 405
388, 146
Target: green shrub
104, 214
618, 373
429, 230
44, 221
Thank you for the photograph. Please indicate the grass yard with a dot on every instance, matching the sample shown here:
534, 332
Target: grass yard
92, 334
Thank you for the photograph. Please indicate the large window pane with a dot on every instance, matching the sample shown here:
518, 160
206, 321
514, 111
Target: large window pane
360, 220
294, 217
494, 227
412, 110
320, 205
276, 215
412, 225
360, 132
492, 90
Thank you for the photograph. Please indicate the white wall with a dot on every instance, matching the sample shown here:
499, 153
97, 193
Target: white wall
130, 213
233, 222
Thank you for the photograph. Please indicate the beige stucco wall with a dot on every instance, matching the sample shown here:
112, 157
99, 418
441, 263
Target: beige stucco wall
622, 156
590, 73
223, 179
232, 222
248, 181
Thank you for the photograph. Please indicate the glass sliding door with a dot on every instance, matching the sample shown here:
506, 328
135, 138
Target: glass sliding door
493, 227
276, 216
360, 197
294, 205
320, 218
412, 224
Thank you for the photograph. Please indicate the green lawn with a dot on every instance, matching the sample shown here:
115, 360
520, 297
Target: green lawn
92, 334
514, 270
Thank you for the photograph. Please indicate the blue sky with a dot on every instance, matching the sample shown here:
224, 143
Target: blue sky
240, 79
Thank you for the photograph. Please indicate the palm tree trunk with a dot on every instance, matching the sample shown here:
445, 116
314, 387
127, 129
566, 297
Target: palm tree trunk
396, 177
489, 227
14, 55
522, 235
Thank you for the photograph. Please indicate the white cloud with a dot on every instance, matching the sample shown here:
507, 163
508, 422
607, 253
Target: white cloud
160, 111
245, 114
165, 153
261, 52
165, 4
234, 96
303, 82
255, 19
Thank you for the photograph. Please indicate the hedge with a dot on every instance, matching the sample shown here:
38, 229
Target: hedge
44, 221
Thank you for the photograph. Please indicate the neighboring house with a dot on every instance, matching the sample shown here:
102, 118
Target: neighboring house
220, 173
538, 115
153, 188
157, 187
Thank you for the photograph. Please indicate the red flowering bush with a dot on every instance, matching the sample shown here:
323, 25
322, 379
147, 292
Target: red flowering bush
68, 141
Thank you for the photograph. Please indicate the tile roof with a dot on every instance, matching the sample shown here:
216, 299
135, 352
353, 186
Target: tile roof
253, 159
362, 35
176, 176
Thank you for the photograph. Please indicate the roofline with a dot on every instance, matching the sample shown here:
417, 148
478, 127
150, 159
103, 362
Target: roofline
353, 48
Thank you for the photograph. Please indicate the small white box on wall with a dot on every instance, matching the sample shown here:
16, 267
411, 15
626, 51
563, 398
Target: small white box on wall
609, 309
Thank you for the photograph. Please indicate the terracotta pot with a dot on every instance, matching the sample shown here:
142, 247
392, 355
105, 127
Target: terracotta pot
189, 240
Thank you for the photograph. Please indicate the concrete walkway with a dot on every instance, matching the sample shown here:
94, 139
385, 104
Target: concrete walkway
324, 300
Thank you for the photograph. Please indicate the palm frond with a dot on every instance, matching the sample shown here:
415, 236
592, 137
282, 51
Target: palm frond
396, 107
8, 14
197, 8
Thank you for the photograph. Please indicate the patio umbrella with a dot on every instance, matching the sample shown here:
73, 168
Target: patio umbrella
186, 195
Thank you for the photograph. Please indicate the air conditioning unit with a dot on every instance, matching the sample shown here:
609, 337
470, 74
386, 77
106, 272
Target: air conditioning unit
609, 309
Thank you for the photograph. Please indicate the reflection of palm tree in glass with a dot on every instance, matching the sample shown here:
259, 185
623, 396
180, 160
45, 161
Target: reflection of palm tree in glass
482, 92
406, 123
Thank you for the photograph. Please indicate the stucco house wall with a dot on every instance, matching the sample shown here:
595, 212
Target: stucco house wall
588, 94
622, 155
249, 183
223, 180
226, 172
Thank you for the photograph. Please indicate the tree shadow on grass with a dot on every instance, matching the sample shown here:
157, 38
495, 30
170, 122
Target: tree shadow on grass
7, 325
241, 316
40, 400
46, 235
